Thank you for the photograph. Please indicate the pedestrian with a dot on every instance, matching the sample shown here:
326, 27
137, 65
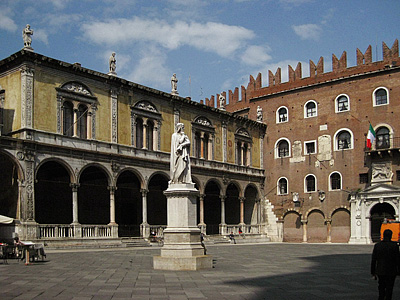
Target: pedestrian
232, 238
385, 265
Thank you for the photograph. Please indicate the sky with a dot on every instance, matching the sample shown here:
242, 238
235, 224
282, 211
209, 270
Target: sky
212, 46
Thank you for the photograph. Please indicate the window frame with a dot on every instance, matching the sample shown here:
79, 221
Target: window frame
306, 116
337, 110
374, 104
335, 138
309, 142
278, 121
277, 148
278, 187
306, 184
330, 181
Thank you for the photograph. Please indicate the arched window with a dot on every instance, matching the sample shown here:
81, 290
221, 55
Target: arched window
243, 147
310, 109
76, 110
335, 181
282, 115
310, 184
380, 96
203, 135
382, 138
82, 121
149, 135
343, 139
283, 148
145, 125
68, 118
342, 103
139, 133
282, 186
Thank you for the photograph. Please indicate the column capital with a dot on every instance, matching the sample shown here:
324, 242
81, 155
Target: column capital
242, 199
112, 188
74, 186
202, 196
144, 192
222, 197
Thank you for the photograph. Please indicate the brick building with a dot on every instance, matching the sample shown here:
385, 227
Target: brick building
325, 185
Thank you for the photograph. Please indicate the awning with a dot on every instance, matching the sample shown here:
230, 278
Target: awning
5, 220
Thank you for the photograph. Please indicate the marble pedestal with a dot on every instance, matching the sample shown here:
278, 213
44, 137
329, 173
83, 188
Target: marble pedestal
182, 248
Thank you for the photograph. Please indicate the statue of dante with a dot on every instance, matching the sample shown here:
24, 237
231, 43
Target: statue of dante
113, 63
26, 35
180, 156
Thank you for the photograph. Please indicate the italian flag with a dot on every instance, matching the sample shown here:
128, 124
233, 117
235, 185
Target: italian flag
371, 136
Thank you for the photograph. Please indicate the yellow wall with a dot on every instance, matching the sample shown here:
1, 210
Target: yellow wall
45, 101
231, 144
103, 115
167, 127
218, 142
124, 120
12, 102
255, 151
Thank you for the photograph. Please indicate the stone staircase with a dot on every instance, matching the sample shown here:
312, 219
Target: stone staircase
244, 239
135, 242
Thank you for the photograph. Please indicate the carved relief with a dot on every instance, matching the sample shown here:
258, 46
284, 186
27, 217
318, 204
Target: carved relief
146, 106
296, 152
324, 147
27, 96
381, 172
114, 114
203, 121
77, 88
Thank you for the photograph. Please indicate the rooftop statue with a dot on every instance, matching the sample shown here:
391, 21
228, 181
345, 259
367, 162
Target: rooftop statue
113, 64
174, 85
26, 35
180, 156
259, 114
221, 101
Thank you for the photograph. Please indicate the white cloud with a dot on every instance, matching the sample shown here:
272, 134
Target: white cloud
218, 38
6, 22
255, 55
308, 31
151, 68
41, 35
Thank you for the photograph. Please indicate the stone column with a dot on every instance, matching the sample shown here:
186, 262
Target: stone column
133, 128
74, 187
242, 199
112, 190
145, 229
27, 95
242, 153
155, 136
262, 150
88, 125
202, 145
248, 155
222, 226
210, 147
304, 223
328, 230
75, 125
145, 128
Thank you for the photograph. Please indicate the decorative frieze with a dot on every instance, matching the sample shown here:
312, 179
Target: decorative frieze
27, 97
114, 116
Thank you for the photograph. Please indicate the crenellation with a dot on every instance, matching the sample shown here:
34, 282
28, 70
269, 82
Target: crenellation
318, 69
389, 54
339, 64
295, 74
365, 58
275, 79
243, 94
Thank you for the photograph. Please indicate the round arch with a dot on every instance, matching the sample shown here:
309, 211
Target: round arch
53, 193
377, 214
99, 166
212, 206
128, 203
11, 173
156, 200
316, 228
232, 203
67, 166
134, 172
292, 227
94, 195
251, 195
340, 225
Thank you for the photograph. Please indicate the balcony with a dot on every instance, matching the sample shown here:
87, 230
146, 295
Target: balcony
384, 144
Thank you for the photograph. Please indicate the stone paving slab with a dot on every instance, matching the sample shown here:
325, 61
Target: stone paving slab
241, 271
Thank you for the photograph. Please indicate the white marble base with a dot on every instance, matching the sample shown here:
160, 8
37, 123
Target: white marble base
182, 248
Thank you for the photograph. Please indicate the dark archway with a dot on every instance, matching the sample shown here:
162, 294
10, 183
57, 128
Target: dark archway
250, 208
8, 187
128, 205
53, 194
212, 207
379, 212
93, 197
232, 205
156, 200
292, 228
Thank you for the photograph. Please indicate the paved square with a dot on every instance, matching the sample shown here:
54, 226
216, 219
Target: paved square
262, 271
